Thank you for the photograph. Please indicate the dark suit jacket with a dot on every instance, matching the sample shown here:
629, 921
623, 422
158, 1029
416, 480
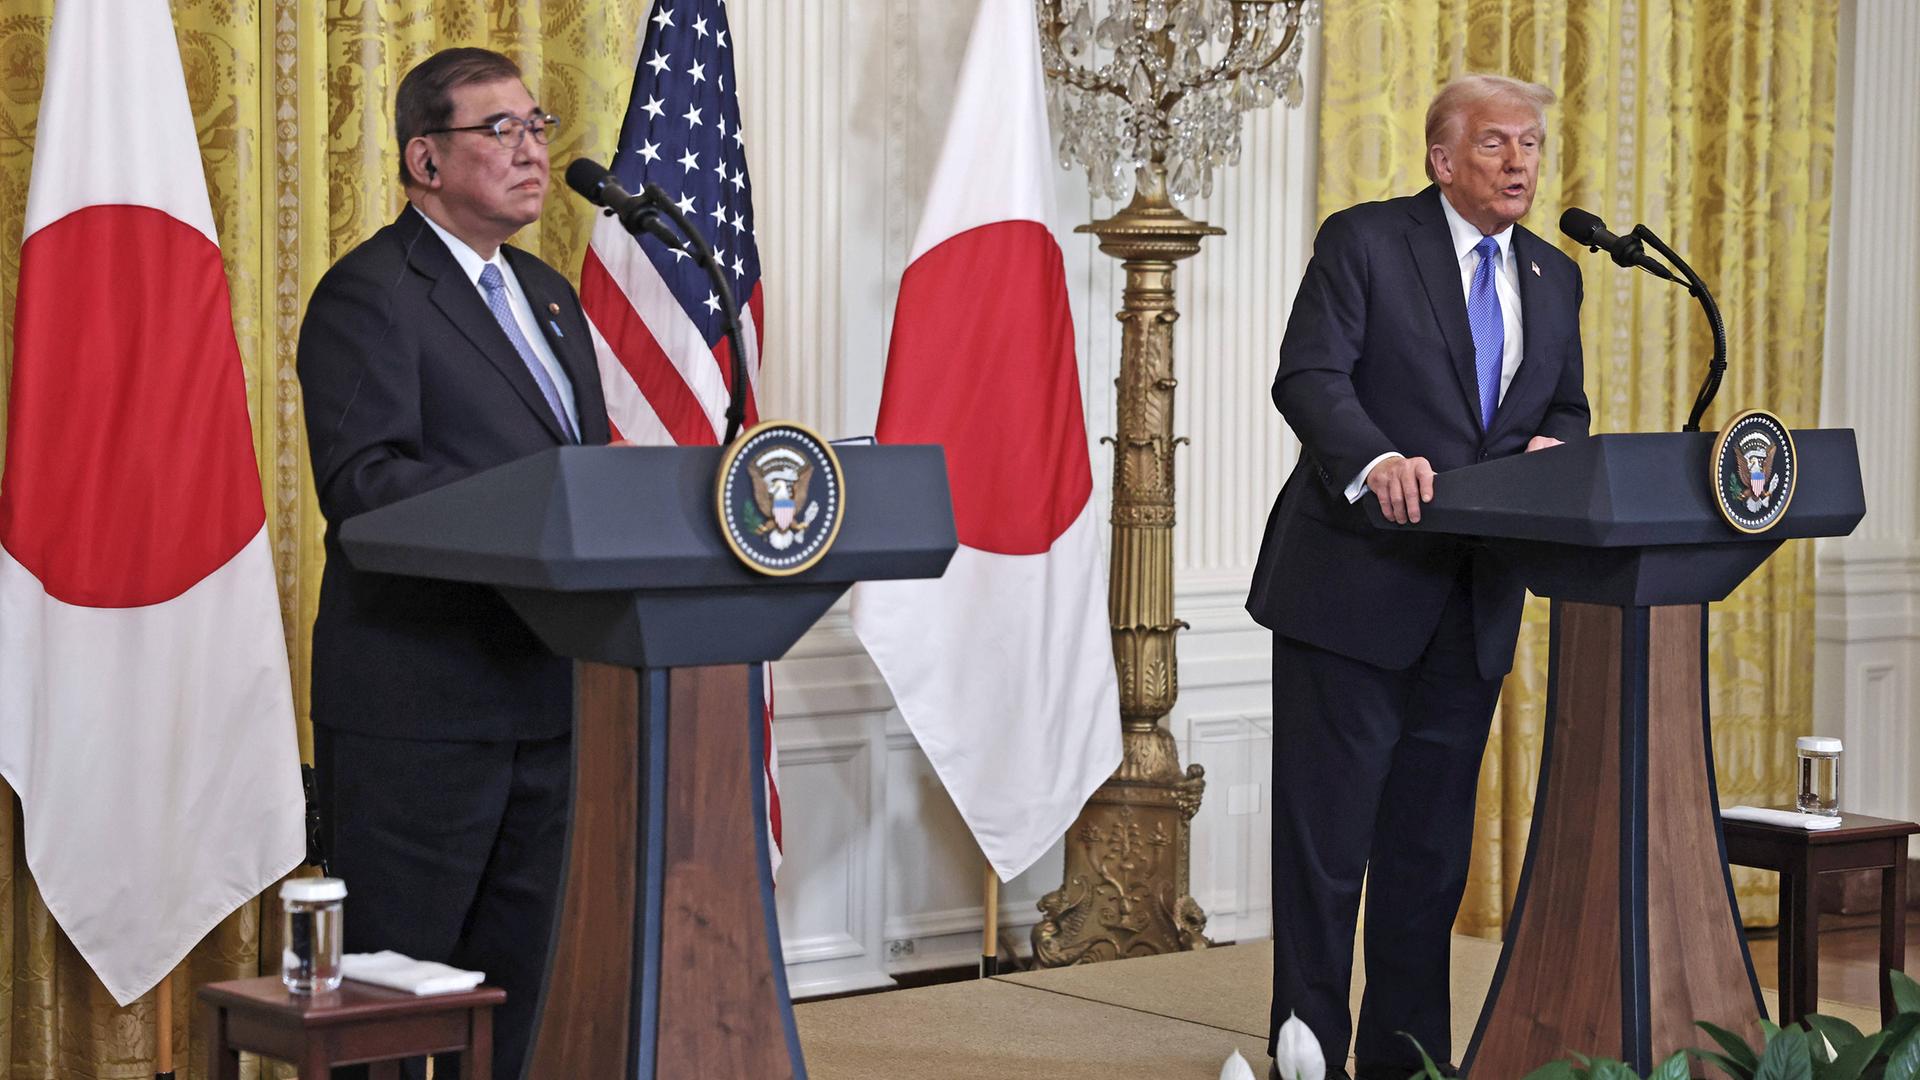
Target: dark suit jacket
409, 384
1378, 357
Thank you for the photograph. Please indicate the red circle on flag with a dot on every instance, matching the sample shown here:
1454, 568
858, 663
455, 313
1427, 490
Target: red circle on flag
130, 472
982, 363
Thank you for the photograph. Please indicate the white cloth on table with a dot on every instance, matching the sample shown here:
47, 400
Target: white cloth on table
397, 971
1786, 819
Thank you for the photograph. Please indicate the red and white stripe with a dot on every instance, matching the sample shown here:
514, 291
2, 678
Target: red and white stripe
664, 386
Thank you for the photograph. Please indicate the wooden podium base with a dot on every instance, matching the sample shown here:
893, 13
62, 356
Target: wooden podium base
1624, 931
665, 959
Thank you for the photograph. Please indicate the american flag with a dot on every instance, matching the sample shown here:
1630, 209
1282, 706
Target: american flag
664, 356
665, 362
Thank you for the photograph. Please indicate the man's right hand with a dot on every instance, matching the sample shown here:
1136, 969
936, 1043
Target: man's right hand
1402, 484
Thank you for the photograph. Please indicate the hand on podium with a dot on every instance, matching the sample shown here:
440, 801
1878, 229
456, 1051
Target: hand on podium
1402, 484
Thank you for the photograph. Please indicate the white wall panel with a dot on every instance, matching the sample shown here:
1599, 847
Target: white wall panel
830, 892
1867, 621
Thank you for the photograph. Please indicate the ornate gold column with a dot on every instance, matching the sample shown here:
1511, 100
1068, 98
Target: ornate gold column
1137, 99
1127, 867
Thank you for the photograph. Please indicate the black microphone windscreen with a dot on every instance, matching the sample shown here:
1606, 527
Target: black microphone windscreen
1580, 225
587, 178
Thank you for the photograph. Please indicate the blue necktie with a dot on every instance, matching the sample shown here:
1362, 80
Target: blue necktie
1489, 332
496, 288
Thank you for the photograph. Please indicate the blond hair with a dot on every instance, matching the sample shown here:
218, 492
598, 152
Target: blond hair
1450, 105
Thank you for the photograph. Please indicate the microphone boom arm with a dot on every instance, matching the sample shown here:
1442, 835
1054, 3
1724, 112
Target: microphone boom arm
1718, 368
729, 308
691, 241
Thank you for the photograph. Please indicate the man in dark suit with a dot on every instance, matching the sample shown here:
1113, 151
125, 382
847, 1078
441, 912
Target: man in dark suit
1430, 332
441, 726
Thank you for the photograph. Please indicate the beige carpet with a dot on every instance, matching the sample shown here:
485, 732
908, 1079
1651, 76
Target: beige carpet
994, 1029
1160, 1017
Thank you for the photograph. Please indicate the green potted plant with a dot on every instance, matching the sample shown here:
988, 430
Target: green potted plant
1821, 1048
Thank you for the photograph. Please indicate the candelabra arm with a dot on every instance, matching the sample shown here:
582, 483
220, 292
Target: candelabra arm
1280, 50
1053, 59
1082, 79
1225, 68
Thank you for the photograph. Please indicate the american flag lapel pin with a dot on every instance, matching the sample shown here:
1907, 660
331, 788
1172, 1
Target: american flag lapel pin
1535, 266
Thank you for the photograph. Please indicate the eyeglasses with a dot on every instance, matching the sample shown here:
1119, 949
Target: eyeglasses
511, 130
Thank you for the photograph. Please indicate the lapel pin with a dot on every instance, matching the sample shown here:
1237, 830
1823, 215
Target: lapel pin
553, 311
1536, 268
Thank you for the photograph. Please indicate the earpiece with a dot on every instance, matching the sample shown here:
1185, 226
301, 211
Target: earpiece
431, 170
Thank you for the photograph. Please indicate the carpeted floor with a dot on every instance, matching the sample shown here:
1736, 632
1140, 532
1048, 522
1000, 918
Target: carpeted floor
1161, 1017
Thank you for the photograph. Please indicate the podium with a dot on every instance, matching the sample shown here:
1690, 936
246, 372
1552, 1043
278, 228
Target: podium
665, 956
1624, 930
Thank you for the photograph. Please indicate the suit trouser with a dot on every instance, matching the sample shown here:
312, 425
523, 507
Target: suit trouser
451, 851
1375, 774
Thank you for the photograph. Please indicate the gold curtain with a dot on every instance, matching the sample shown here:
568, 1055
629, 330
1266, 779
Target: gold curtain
292, 102
1711, 121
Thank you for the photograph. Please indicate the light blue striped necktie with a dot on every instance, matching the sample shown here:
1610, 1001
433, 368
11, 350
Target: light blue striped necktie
496, 289
1489, 332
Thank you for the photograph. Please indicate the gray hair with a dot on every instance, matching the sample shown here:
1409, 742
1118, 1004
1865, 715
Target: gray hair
1444, 116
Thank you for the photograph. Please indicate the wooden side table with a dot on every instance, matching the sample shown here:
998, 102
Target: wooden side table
1800, 856
356, 1024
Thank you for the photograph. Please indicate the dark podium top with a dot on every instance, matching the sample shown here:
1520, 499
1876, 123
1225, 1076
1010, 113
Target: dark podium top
1630, 519
614, 554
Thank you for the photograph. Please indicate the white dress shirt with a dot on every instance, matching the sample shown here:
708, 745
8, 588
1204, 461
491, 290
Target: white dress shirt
1506, 284
472, 264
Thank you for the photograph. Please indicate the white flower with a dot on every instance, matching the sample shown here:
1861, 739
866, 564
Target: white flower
1236, 1068
1297, 1053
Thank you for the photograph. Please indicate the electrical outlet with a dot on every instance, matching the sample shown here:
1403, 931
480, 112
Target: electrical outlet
900, 948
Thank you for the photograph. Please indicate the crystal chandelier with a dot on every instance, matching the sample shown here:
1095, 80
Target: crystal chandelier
1157, 86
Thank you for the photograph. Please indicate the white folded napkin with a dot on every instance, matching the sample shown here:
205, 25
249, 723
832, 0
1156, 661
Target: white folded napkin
1788, 819
398, 971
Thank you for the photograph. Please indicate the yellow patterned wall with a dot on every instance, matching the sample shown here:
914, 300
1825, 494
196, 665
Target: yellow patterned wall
1712, 122
292, 103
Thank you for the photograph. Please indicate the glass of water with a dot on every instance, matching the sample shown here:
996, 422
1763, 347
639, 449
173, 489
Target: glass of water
312, 910
1819, 776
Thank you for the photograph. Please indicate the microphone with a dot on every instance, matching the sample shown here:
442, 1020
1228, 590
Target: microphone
598, 186
1589, 231
639, 213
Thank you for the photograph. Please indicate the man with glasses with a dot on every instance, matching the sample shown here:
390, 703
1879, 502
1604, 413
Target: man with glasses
431, 352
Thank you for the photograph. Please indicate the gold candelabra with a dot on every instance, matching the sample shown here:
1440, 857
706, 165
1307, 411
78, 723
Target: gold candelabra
1147, 96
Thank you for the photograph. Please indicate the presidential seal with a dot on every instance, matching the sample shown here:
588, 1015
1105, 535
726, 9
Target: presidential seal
1753, 471
780, 498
